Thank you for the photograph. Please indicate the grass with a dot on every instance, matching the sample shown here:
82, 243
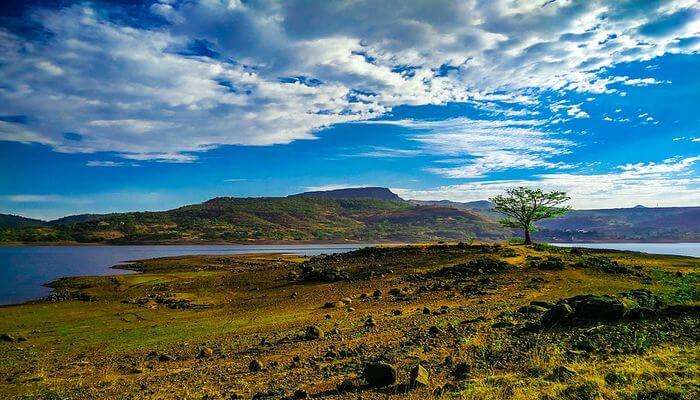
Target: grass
253, 307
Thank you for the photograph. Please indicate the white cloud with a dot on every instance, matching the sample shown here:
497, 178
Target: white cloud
487, 145
32, 198
145, 94
98, 163
672, 182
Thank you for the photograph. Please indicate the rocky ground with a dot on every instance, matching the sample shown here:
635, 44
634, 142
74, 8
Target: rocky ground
430, 321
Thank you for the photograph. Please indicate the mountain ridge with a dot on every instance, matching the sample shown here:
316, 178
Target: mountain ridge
350, 214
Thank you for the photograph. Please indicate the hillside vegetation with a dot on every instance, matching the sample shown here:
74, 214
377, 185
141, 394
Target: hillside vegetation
294, 218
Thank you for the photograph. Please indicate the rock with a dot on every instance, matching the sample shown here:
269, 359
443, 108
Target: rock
314, 332
434, 331
589, 308
346, 300
205, 352
461, 370
364, 296
560, 314
543, 304
350, 309
426, 311
333, 304
300, 394
166, 357
562, 373
370, 322
255, 366
419, 377
395, 292
527, 310
294, 295
346, 385
503, 324
377, 294
379, 374
640, 313
7, 338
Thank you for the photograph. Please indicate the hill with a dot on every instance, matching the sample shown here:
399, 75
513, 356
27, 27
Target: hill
16, 221
375, 193
272, 219
641, 224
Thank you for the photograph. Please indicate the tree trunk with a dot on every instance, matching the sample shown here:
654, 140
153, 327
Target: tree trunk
528, 240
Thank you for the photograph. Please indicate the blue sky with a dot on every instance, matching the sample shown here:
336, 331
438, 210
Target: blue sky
148, 105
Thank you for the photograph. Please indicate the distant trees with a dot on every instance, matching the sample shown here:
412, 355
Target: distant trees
523, 206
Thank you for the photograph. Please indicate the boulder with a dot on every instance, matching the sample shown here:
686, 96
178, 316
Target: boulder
590, 308
560, 314
379, 374
419, 377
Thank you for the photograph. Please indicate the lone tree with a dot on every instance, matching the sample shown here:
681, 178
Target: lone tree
523, 206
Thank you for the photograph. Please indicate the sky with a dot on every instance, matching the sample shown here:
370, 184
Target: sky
148, 105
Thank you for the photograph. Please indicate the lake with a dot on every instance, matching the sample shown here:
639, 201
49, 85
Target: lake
24, 269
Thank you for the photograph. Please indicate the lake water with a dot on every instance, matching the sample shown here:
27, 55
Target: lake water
23, 270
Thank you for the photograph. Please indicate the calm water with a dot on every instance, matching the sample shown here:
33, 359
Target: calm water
680, 249
23, 270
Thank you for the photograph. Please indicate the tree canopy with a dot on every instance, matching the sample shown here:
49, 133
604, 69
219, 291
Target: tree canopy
523, 206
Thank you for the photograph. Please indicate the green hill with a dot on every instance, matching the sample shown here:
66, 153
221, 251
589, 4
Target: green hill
294, 218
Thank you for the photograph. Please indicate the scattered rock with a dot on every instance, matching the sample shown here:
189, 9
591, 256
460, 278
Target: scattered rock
461, 370
560, 314
255, 366
562, 373
5, 337
370, 322
434, 331
314, 332
379, 374
205, 352
419, 377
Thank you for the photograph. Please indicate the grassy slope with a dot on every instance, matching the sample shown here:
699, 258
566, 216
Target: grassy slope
272, 219
98, 349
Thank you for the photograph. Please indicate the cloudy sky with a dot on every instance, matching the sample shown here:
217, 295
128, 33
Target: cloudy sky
131, 105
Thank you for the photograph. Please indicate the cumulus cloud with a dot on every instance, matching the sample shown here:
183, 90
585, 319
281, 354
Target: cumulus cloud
212, 73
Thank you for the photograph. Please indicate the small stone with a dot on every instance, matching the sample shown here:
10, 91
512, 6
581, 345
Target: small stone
379, 374
419, 377
563, 373
434, 331
370, 322
346, 300
426, 311
205, 352
314, 332
7, 338
255, 366
461, 370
